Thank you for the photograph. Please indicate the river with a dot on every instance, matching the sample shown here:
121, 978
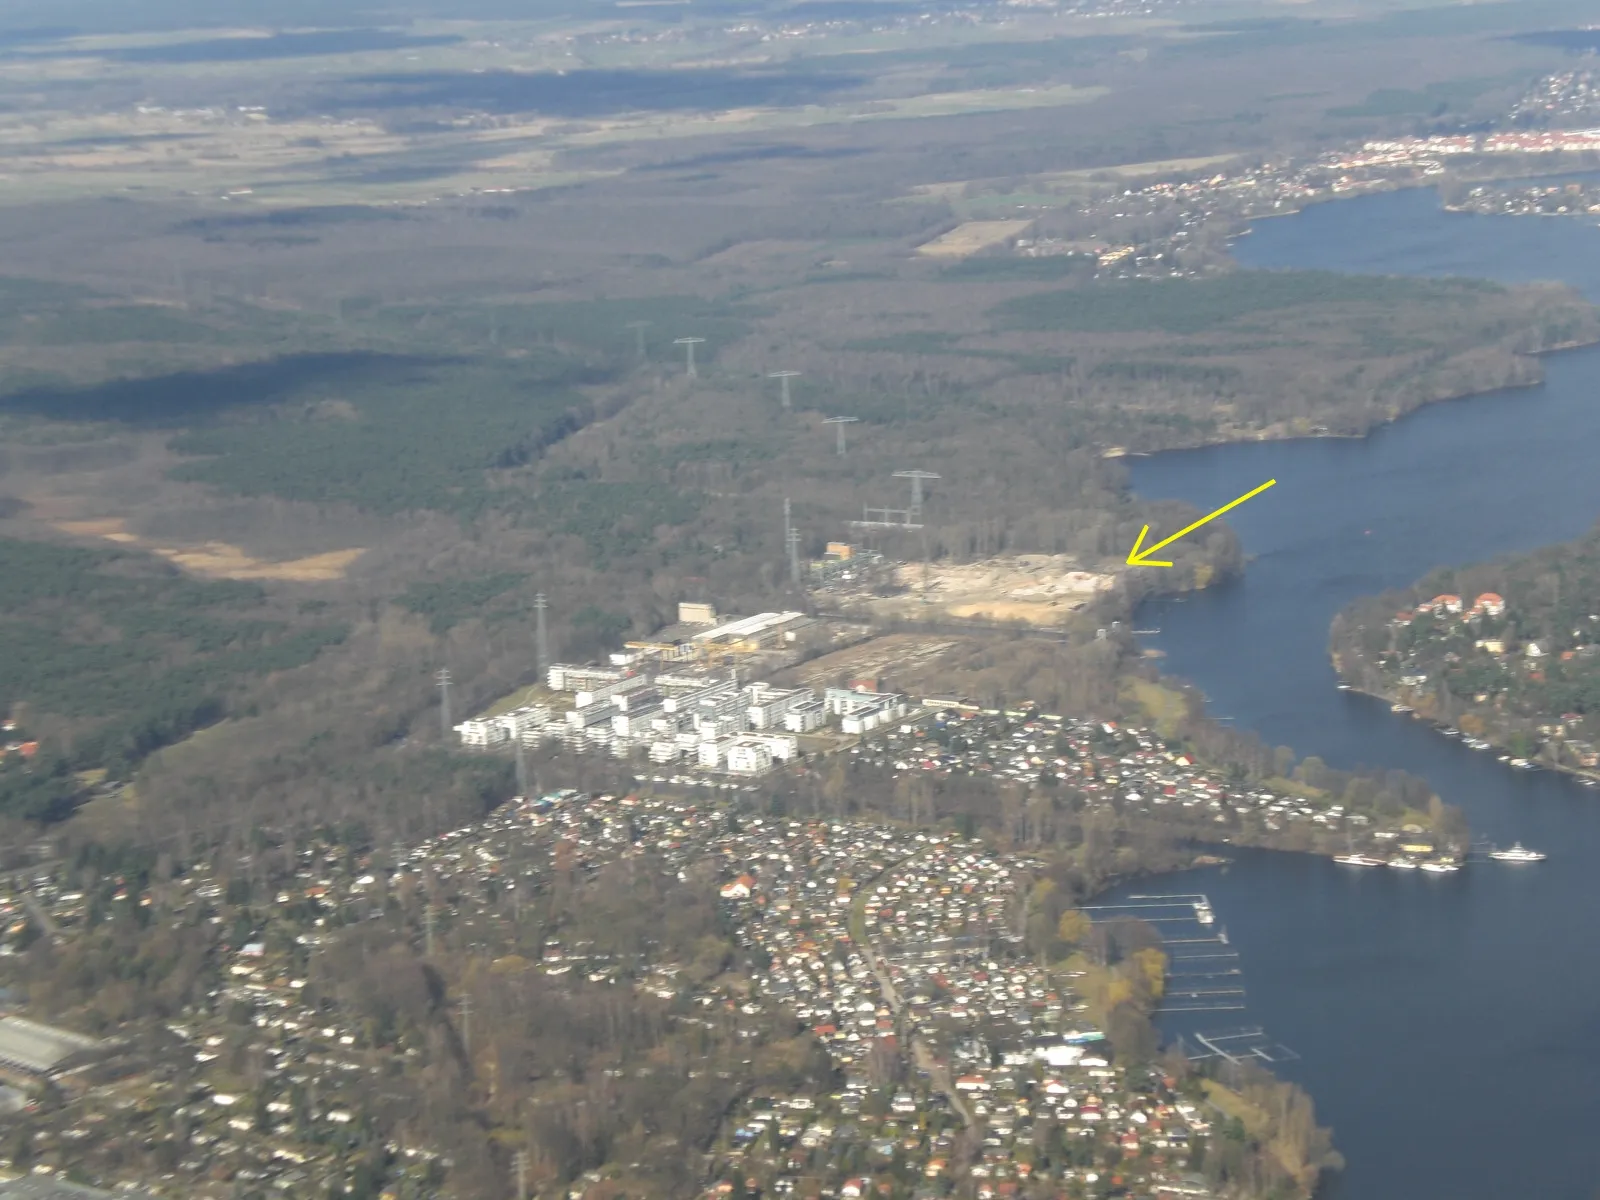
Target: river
1448, 1026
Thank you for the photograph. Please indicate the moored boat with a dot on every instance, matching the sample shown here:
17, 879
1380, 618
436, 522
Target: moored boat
1357, 860
1517, 854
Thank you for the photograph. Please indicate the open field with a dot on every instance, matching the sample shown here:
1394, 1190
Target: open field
219, 559
969, 237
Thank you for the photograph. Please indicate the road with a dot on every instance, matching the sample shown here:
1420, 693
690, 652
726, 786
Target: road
922, 1055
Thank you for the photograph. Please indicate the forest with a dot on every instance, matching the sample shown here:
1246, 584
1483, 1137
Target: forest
108, 656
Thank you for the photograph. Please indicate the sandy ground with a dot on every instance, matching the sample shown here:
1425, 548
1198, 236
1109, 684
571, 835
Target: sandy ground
220, 559
1037, 588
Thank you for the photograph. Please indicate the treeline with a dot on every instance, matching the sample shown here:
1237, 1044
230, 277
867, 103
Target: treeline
110, 656
428, 439
1194, 305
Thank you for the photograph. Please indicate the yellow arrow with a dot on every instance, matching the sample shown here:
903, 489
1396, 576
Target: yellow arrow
1141, 558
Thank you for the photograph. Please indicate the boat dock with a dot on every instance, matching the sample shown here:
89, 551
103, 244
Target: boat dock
1204, 975
1242, 1045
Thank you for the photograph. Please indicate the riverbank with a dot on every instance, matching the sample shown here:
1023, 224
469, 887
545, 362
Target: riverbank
1517, 369
1589, 777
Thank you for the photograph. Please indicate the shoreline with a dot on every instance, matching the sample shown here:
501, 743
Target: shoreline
1585, 773
1270, 435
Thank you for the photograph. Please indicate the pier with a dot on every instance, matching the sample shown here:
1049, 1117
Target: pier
1241, 1045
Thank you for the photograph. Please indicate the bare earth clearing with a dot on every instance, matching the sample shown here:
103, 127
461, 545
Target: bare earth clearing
220, 559
1039, 589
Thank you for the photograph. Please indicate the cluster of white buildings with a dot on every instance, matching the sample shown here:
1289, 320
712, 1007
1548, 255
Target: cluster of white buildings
1407, 150
683, 717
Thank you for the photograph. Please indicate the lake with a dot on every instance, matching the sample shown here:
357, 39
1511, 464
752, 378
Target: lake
1448, 1026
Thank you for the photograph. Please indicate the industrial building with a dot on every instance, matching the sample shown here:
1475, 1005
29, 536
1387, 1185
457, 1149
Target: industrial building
31, 1049
701, 637
48, 1187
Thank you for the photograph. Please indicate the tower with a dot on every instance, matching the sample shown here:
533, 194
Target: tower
688, 344
638, 328
793, 540
442, 679
839, 423
783, 378
916, 478
542, 636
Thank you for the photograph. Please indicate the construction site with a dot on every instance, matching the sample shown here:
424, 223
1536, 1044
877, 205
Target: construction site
1038, 590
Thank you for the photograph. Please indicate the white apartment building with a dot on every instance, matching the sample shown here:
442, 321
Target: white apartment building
594, 714
747, 757
481, 731
767, 706
634, 722
616, 688
803, 718
567, 677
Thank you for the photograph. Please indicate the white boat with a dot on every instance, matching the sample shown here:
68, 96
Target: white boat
1203, 913
1357, 860
1344, 687
1404, 864
1522, 764
1399, 708
1440, 866
1517, 854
